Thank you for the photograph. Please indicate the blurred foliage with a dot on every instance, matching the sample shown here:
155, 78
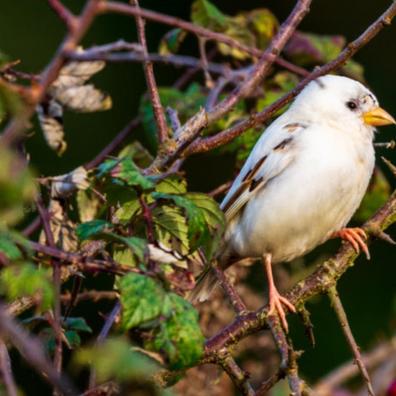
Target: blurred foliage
155, 226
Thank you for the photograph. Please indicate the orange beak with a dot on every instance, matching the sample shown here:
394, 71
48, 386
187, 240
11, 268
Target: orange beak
378, 117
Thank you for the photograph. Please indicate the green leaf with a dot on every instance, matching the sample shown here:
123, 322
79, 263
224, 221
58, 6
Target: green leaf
172, 185
8, 247
92, 228
206, 14
142, 300
131, 174
127, 210
77, 324
116, 359
27, 280
172, 41
264, 25
171, 228
133, 254
73, 338
88, 205
198, 232
179, 337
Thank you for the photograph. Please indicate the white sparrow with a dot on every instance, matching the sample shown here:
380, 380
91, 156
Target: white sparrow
303, 181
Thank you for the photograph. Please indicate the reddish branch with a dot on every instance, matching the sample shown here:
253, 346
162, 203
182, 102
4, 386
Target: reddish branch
320, 281
254, 120
342, 317
31, 349
111, 6
158, 110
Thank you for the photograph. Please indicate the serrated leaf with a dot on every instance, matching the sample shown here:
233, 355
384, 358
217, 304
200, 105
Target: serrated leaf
130, 174
172, 185
171, 228
139, 154
127, 210
141, 298
171, 41
27, 280
134, 254
198, 232
91, 228
179, 337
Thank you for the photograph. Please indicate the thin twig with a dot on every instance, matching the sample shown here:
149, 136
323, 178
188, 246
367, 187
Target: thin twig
6, 371
32, 351
234, 298
158, 110
96, 53
63, 13
18, 124
116, 7
239, 377
103, 335
342, 317
387, 145
324, 277
231, 133
381, 353
56, 278
204, 59
194, 126
288, 355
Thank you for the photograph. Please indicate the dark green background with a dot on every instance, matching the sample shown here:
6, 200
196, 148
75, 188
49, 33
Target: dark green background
31, 32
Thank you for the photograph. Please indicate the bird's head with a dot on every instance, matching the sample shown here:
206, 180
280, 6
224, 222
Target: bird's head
341, 101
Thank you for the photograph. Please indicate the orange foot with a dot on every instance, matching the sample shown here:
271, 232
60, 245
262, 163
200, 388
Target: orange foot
356, 237
275, 303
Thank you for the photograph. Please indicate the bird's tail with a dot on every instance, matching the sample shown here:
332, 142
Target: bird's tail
206, 282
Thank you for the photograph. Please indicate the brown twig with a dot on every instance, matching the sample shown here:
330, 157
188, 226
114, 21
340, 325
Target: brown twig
30, 348
234, 298
103, 335
231, 133
381, 353
193, 127
115, 7
96, 53
158, 110
342, 318
18, 124
63, 13
288, 356
56, 278
6, 371
324, 277
239, 377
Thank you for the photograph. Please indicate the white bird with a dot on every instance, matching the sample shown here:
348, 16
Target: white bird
303, 181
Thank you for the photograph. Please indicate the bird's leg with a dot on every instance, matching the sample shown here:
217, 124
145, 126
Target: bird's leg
275, 299
356, 237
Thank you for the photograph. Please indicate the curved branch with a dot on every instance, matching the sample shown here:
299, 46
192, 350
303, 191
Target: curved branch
231, 133
320, 281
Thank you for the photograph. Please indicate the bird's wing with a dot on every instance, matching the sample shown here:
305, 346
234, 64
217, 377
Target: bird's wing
272, 154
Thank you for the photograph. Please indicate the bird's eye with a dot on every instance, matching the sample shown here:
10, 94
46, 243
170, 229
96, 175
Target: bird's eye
351, 105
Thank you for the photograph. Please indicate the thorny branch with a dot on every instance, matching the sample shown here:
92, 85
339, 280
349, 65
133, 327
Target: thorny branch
342, 317
186, 142
158, 110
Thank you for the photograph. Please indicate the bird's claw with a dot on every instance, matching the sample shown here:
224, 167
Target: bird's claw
275, 303
356, 237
